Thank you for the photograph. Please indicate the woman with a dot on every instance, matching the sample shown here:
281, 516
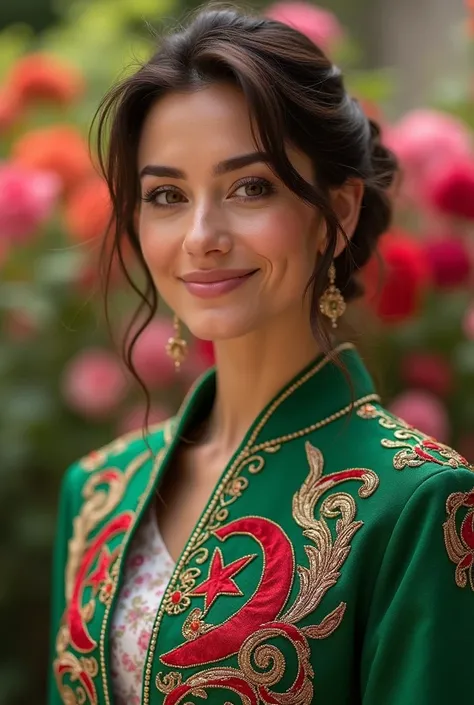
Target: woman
283, 539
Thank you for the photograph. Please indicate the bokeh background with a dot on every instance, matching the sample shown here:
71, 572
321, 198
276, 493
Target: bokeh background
63, 389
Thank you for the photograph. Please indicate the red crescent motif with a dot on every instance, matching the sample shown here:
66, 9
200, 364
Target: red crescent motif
238, 685
264, 606
79, 636
82, 676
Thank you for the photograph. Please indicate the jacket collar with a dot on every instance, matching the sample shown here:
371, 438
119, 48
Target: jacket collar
329, 387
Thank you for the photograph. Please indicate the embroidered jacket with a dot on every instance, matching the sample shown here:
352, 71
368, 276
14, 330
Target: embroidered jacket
334, 562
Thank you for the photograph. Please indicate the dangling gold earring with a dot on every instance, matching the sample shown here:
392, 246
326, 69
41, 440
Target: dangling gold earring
177, 347
331, 303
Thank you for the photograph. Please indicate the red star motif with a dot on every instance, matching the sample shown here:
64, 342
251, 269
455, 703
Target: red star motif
219, 581
102, 571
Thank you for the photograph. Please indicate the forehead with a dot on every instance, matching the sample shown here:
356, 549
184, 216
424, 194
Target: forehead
211, 123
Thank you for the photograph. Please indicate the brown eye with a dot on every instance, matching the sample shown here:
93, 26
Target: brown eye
171, 196
254, 189
164, 196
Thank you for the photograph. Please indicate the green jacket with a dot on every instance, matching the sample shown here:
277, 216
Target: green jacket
334, 562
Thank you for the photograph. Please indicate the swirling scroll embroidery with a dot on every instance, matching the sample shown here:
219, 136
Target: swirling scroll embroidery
262, 664
90, 564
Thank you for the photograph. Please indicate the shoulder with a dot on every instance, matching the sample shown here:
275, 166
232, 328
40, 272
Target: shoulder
401, 451
117, 455
418, 477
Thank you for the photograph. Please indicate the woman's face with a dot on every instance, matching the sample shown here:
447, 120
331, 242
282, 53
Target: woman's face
230, 248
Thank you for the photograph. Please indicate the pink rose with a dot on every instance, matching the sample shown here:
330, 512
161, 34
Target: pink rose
424, 411
449, 261
93, 383
429, 371
424, 140
27, 198
151, 361
449, 190
319, 25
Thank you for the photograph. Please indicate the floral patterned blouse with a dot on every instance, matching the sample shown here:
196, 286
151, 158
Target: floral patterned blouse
147, 573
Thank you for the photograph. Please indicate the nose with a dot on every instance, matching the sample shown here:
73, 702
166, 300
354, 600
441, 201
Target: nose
206, 233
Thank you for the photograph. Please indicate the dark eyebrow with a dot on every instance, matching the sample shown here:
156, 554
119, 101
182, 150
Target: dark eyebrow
221, 168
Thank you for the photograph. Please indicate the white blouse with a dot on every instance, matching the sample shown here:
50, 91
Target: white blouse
148, 570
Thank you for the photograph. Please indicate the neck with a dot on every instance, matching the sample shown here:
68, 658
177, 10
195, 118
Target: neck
249, 373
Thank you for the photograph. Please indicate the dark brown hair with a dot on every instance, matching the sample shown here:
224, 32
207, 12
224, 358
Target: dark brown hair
296, 95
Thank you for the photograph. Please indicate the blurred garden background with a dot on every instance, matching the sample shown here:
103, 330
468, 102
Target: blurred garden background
63, 389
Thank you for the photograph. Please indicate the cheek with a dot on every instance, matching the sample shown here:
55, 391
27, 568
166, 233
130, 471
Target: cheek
157, 246
287, 237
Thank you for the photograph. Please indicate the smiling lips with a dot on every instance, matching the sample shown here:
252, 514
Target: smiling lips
215, 282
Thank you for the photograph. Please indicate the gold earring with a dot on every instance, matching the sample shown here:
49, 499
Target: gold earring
331, 303
177, 347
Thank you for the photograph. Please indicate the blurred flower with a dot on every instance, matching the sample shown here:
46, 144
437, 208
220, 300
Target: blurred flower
428, 371
20, 325
40, 77
27, 198
468, 323
372, 110
205, 350
88, 210
321, 26
423, 140
424, 411
395, 286
450, 189
10, 109
61, 149
93, 383
4, 251
152, 364
134, 418
449, 261
465, 447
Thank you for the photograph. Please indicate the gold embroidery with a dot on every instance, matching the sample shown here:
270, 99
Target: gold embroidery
250, 457
460, 544
262, 665
426, 449
325, 557
178, 601
97, 506
102, 493
81, 671
194, 625
96, 458
167, 436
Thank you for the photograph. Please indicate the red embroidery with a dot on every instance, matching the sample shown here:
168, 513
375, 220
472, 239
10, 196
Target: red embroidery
265, 604
252, 630
228, 678
460, 544
411, 455
220, 580
81, 671
79, 635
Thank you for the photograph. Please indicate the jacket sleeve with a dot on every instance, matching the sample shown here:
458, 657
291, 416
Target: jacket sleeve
418, 646
68, 498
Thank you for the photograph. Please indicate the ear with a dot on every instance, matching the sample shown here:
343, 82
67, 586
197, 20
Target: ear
346, 201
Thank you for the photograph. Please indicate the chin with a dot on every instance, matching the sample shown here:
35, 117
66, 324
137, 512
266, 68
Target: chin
220, 325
